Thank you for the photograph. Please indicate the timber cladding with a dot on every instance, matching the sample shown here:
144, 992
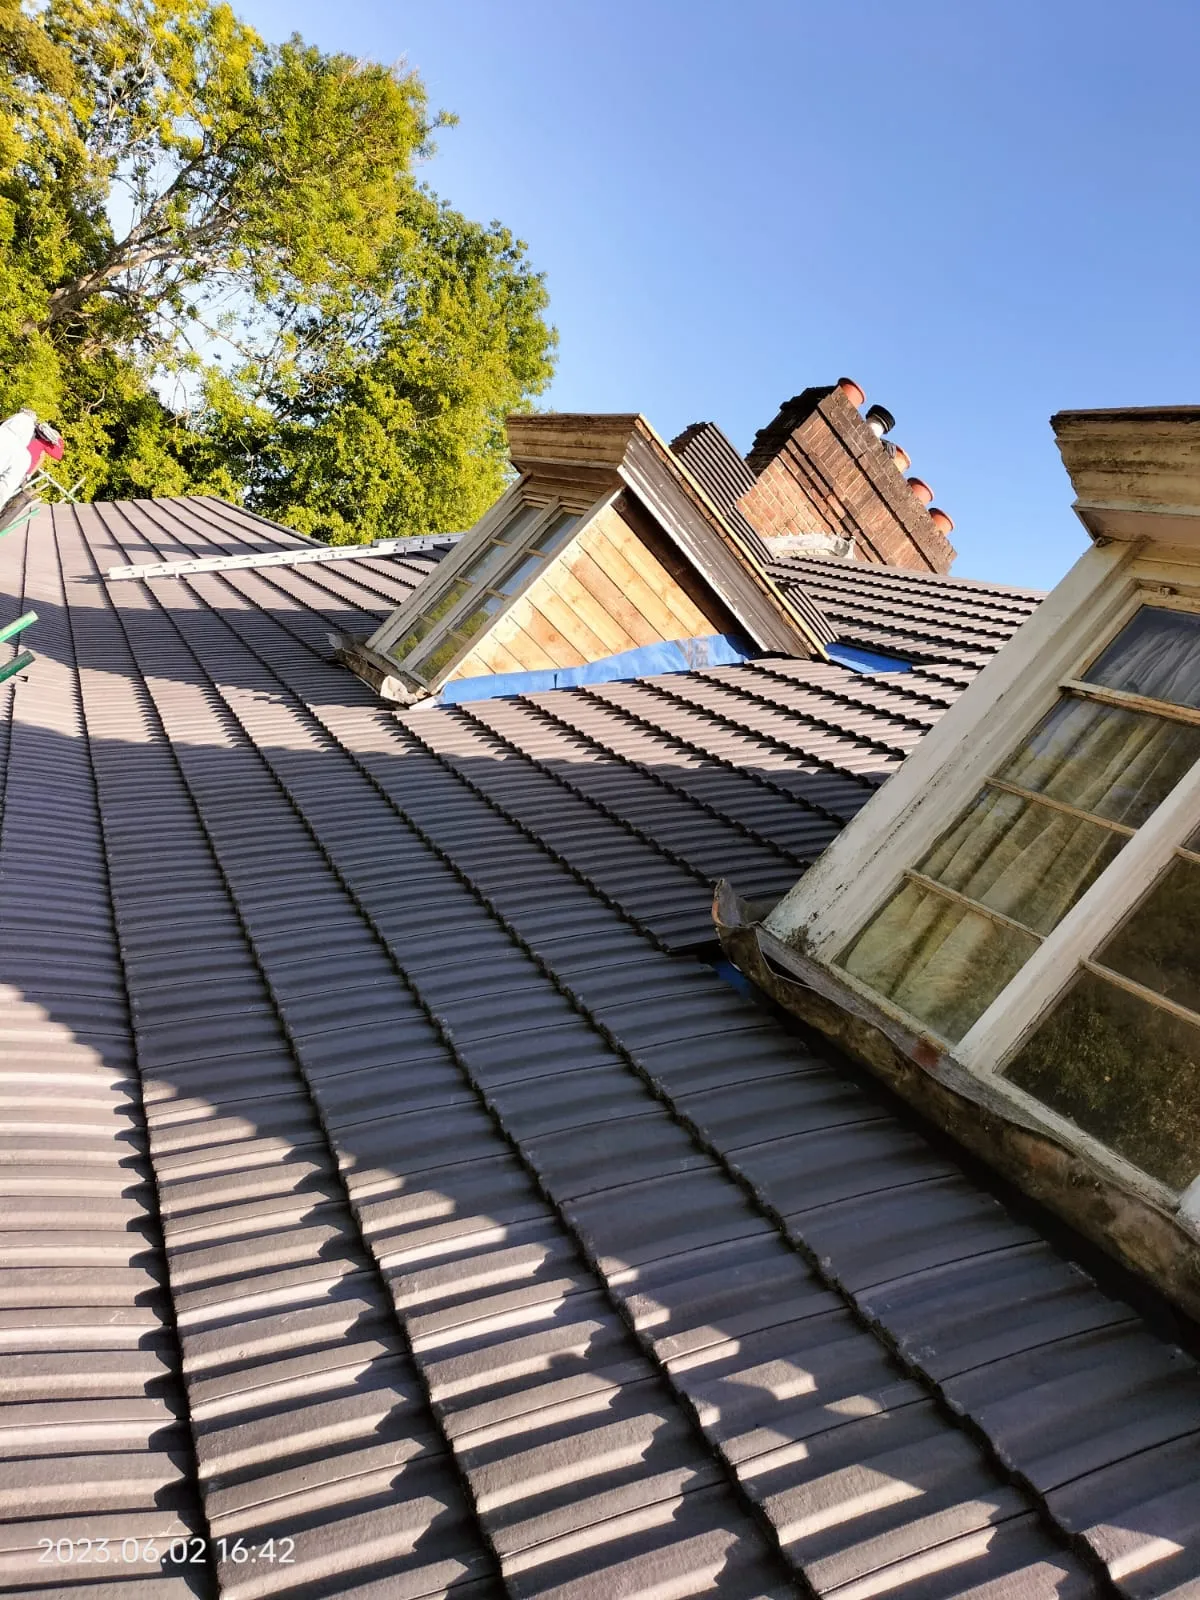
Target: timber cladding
616, 586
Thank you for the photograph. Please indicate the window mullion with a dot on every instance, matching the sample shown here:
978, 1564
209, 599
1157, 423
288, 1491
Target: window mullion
1123, 701
977, 906
1150, 996
1060, 805
1090, 920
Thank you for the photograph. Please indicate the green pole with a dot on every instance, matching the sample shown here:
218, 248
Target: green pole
19, 521
11, 629
17, 664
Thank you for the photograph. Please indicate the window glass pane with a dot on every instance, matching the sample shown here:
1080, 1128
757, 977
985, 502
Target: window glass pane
429, 619
475, 619
413, 637
1021, 858
428, 666
499, 548
440, 656
1126, 1072
1156, 654
555, 534
487, 562
519, 524
1159, 945
1115, 763
939, 961
551, 538
520, 575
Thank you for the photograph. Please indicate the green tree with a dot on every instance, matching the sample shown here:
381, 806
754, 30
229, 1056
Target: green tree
186, 211
388, 417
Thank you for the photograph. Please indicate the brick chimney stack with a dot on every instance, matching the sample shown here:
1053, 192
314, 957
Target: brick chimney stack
822, 469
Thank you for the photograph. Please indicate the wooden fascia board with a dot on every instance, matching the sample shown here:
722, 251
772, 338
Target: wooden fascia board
695, 526
565, 439
1136, 473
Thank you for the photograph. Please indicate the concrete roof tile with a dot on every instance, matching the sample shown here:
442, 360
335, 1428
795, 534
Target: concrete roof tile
495, 1249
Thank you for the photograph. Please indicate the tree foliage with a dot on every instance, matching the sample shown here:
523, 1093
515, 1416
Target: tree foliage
218, 270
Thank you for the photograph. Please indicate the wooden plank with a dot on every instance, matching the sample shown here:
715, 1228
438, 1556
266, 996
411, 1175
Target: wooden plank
662, 621
610, 597
488, 656
560, 576
651, 570
576, 488
525, 651
545, 635
668, 554
587, 438
569, 619
655, 593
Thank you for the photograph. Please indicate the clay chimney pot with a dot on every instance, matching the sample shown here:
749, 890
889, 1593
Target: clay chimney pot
942, 522
851, 390
921, 490
901, 457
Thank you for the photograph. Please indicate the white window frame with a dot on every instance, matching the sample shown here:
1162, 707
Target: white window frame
516, 499
872, 858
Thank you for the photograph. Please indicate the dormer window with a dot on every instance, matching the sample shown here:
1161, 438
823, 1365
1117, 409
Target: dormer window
1118, 1054
607, 558
1010, 930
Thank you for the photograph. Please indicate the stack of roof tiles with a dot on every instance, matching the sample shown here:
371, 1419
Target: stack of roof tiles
384, 1180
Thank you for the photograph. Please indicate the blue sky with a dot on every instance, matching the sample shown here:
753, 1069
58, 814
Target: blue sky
982, 210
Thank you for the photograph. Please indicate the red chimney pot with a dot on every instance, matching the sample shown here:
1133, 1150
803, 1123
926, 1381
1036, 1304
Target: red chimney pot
921, 490
902, 458
851, 390
942, 522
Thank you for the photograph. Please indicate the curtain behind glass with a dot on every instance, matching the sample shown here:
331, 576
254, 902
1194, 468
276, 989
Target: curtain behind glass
1110, 762
1157, 654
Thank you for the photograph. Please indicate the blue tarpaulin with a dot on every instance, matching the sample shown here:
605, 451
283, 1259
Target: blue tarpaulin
675, 655
849, 655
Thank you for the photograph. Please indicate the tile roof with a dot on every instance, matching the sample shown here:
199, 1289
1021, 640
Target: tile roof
950, 626
383, 1181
